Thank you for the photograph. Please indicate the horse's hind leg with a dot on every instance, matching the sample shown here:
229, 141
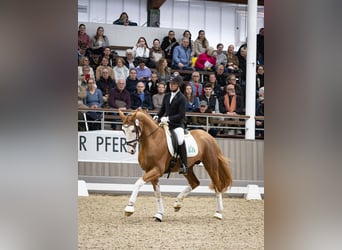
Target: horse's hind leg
129, 209
219, 209
160, 207
193, 183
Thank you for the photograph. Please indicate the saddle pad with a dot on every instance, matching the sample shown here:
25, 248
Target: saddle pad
191, 145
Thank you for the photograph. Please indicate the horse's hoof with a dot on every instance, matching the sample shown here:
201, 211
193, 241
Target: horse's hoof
177, 209
218, 215
129, 210
158, 217
177, 206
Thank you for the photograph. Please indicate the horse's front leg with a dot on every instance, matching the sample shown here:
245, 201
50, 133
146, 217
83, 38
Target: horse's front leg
160, 207
219, 209
129, 210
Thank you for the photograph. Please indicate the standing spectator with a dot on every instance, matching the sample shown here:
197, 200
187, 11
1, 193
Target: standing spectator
206, 60
120, 70
129, 60
143, 72
232, 60
242, 56
94, 101
156, 53
210, 98
132, 80
201, 122
182, 56
197, 87
99, 41
123, 20
104, 65
141, 49
260, 46
200, 44
191, 100
157, 99
105, 84
141, 98
221, 58
83, 37
152, 84
163, 71
168, 45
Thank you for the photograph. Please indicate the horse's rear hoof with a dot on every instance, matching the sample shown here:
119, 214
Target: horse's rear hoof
218, 215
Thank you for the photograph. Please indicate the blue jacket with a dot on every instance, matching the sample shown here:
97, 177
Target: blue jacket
181, 54
136, 101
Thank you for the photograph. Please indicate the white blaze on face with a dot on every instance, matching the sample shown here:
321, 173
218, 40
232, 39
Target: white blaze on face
131, 135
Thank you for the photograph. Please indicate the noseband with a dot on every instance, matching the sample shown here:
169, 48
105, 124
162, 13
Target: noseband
133, 143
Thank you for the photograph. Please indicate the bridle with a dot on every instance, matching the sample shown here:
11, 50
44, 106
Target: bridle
137, 129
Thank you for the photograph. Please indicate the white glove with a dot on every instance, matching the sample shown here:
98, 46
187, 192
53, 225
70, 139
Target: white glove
155, 118
164, 119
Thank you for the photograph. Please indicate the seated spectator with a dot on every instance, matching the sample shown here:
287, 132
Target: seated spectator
152, 84
141, 49
206, 60
201, 122
157, 99
210, 99
221, 76
242, 56
141, 98
132, 80
197, 87
85, 75
259, 111
143, 72
83, 38
168, 45
201, 43
215, 86
221, 58
84, 61
99, 41
232, 60
107, 52
191, 100
105, 84
163, 71
129, 60
237, 87
123, 20
119, 98
81, 52
182, 56
120, 70
104, 65
187, 34
156, 53
94, 101
259, 78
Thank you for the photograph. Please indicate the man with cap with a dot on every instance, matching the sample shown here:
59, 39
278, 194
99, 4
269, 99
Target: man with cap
173, 112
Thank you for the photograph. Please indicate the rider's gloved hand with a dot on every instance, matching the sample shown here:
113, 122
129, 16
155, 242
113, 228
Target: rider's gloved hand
155, 118
164, 119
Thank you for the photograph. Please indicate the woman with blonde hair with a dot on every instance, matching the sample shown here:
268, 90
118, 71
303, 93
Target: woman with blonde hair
120, 70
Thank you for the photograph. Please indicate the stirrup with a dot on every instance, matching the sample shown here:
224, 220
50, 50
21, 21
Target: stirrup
183, 170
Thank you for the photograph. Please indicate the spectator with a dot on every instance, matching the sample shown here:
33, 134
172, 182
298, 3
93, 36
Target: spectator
81, 52
132, 80
237, 87
109, 55
84, 61
129, 60
104, 65
221, 76
94, 101
201, 122
187, 34
83, 38
260, 46
215, 86
105, 84
157, 99
210, 99
156, 53
168, 45
191, 100
141, 49
182, 56
232, 60
200, 44
206, 60
85, 75
123, 20
242, 56
259, 78
141, 98
143, 72
99, 41
221, 58
197, 87
259, 111
163, 71
120, 70
152, 84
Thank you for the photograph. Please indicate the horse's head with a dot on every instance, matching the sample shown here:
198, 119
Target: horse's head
132, 131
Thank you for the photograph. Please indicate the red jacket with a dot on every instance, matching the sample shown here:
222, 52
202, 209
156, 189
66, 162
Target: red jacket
202, 58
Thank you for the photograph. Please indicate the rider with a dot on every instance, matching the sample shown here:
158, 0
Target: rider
173, 112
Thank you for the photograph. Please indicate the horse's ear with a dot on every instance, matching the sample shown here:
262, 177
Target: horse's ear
121, 114
137, 123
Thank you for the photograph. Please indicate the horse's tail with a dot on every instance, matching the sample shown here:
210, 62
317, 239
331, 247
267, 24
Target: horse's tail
224, 175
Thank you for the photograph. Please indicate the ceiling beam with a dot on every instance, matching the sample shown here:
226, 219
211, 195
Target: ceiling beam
155, 4
260, 2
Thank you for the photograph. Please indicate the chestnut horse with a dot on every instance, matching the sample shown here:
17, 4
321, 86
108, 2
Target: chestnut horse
154, 158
